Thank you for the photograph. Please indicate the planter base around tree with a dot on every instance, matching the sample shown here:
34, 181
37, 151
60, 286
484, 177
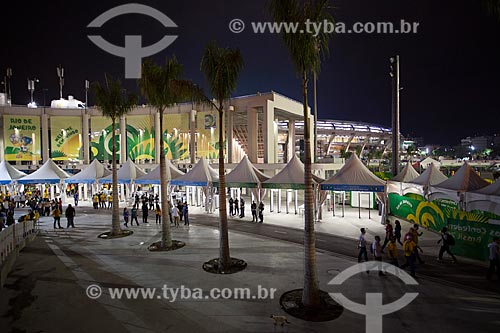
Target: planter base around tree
109, 235
156, 246
212, 266
291, 302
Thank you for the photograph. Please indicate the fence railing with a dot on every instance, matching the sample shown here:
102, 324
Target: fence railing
14, 236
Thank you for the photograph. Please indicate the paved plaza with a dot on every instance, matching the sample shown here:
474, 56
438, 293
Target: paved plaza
46, 292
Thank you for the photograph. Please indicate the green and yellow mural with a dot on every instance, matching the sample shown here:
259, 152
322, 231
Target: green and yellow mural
66, 138
100, 139
21, 138
141, 137
471, 230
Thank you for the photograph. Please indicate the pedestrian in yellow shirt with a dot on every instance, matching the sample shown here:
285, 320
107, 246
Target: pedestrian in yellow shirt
110, 201
158, 214
393, 251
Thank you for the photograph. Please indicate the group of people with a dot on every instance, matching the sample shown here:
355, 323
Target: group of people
101, 200
237, 207
177, 213
410, 244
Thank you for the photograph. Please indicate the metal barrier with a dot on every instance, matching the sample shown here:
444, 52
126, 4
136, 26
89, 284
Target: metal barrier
14, 236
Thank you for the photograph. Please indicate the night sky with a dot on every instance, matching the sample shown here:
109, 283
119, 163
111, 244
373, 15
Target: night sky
450, 70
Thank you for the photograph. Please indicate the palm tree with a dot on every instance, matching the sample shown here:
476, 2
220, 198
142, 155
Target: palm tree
163, 87
221, 68
305, 52
493, 7
114, 102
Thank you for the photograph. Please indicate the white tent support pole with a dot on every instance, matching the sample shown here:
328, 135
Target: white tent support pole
287, 201
187, 196
296, 201
333, 200
85, 192
279, 200
271, 203
343, 203
359, 204
369, 204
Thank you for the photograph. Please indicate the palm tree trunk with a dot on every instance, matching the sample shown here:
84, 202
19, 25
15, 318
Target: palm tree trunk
310, 295
115, 220
166, 235
224, 256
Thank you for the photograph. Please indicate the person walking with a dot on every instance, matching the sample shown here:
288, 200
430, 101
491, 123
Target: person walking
75, 198
448, 241
415, 235
362, 253
376, 249
95, 201
180, 206
494, 257
70, 216
261, 212
397, 231
125, 216
185, 212
253, 207
170, 211
242, 208
56, 214
145, 212
110, 201
393, 252
158, 214
236, 210
133, 216
410, 248
231, 201
388, 234
175, 215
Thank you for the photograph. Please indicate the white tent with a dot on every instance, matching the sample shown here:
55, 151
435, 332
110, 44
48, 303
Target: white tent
200, 175
290, 177
127, 174
9, 173
91, 174
486, 199
354, 176
398, 184
427, 161
464, 180
49, 173
245, 174
406, 175
154, 176
431, 176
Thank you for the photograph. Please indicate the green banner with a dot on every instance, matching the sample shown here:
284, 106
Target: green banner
471, 230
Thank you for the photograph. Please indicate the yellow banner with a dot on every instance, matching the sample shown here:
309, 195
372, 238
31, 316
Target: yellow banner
176, 135
66, 138
21, 138
207, 127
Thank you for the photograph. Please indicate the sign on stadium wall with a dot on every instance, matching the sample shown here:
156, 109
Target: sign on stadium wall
21, 138
66, 139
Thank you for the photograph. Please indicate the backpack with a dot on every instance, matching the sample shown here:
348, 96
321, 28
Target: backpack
450, 240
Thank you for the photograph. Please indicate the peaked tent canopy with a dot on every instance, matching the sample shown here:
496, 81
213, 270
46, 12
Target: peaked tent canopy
354, 176
493, 189
464, 180
290, 177
427, 161
200, 175
154, 176
90, 174
128, 173
406, 175
49, 173
245, 175
431, 176
8, 173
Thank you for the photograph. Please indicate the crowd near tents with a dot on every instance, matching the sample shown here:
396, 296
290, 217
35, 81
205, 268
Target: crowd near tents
465, 187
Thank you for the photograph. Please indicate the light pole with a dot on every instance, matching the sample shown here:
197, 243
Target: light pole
60, 74
31, 88
394, 73
8, 75
87, 87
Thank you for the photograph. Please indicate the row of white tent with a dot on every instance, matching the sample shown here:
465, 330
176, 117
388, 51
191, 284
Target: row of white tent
465, 185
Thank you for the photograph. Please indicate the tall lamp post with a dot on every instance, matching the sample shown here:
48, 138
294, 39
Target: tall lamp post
31, 89
394, 73
8, 75
60, 74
